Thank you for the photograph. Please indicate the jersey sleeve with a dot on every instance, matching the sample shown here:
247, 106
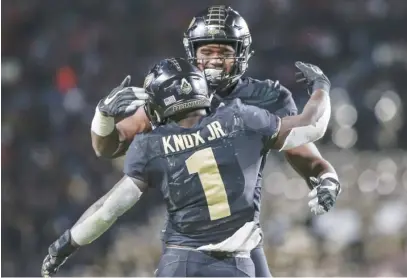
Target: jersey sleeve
260, 120
136, 159
288, 106
275, 98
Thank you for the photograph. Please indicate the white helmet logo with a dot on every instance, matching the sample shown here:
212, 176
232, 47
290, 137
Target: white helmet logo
186, 88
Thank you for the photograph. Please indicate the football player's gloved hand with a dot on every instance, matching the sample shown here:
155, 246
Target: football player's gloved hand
323, 195
312, 76
123, 100
58, 253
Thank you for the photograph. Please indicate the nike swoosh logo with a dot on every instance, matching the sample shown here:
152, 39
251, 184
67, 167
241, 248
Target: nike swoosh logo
109, 99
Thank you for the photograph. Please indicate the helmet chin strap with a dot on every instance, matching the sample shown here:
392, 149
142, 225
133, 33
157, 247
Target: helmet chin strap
155, 120
157, 116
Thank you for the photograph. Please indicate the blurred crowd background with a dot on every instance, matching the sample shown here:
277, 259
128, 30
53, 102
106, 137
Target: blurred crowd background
60, 57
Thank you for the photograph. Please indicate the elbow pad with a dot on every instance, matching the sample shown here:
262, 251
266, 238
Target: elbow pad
299, 136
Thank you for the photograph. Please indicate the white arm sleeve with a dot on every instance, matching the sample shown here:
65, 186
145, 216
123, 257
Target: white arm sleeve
306, 134
122, 198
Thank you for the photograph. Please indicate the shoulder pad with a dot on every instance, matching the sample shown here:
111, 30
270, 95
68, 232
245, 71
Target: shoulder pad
149, 142
267, 94
268, 83
254, 90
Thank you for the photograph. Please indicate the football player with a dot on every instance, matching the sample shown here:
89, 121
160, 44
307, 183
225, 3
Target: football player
206, 166
218, 42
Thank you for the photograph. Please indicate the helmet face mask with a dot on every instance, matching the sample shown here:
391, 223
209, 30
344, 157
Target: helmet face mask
220, 26
175, 86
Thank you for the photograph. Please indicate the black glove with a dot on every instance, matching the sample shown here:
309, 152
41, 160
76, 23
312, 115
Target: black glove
324, 194
58, 253
123, 100
312, 76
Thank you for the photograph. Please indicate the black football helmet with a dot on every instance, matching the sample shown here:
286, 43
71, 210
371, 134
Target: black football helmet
174, 86
220, 24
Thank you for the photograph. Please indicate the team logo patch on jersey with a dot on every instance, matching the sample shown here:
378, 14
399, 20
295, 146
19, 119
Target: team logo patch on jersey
148, 80
185, 87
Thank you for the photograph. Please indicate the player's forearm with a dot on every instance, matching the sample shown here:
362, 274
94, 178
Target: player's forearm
307, 161
99, 203
92, 209
110, 146
107, 140
317, 107
307, 127
100, 217
90, 229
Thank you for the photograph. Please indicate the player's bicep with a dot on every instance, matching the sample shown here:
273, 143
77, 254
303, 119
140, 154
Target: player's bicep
288, 129
309, 126
296, 131
142, 185
124, 181
124, 194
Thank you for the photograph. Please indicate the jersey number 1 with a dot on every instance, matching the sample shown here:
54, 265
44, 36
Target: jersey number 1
203, 162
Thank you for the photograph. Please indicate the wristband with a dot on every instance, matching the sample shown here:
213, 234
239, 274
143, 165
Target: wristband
102, 125
321, 84
329, 175
62, 247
